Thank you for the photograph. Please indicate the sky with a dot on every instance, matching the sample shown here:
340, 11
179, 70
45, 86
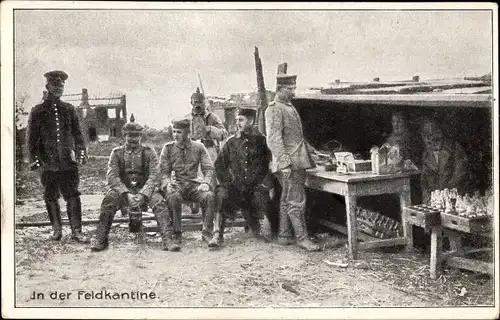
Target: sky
154, 57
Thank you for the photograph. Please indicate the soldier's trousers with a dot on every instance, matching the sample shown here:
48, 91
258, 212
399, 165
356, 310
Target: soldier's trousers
114, 201
190, 193
66, 183
292, 204
253, 205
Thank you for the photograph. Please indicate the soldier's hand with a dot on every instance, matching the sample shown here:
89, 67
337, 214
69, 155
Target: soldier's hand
131, 199
140, 199
204, 187
82, 157
286, 172
170, 188
35, 165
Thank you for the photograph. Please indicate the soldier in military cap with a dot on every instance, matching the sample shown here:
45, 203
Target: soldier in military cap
56, 146
242, 168
133, 180
290, 158
179, 163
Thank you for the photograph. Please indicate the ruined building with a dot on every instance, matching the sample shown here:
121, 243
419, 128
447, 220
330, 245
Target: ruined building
101, 118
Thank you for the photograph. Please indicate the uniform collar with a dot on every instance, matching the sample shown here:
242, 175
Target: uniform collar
133, 150
277, 99
250, 133
183, 145
51, 100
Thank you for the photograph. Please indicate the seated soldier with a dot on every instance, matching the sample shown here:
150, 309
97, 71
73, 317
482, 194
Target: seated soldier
241, 168
179, 163
444, 161
132, 178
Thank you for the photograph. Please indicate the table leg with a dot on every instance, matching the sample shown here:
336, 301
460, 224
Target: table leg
352, 232
436, 252
405, 201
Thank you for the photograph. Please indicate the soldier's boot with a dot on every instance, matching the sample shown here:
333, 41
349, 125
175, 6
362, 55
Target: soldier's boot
285, 236
125, 211
299, 226
219, 226
74, 209
208, 224
266, 229
54, 212
255, 227
162, 217
100, 242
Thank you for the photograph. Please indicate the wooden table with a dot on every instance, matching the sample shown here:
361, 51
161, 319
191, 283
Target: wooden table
354, 185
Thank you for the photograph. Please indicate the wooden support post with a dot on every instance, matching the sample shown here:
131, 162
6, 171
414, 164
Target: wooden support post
262, 93
405, 201
350, 202
436, 251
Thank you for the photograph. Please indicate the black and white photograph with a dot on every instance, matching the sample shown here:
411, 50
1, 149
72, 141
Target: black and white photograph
197, 160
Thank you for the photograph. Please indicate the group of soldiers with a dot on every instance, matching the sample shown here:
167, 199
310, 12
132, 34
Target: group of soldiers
238, 175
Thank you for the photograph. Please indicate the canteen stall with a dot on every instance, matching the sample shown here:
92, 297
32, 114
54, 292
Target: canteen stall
356, 123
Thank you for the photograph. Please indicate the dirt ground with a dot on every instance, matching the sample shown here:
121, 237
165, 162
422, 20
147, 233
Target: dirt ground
245, 272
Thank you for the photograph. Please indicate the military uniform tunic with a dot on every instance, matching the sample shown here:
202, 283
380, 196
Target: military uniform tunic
185, 159
54, 135
289, 149
55, 141
242, 168
127, 166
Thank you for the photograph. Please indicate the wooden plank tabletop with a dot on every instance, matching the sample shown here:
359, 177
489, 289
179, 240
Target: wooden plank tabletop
357, 176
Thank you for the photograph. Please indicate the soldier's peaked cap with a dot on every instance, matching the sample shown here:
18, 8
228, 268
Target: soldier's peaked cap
247, 112
285, 79
132, 126
56, 75
184, 124
198, 96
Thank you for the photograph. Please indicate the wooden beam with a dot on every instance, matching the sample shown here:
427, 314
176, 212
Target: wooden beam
339, 228
424, 100
282, 68
380, 243
470, 264
199, 226
20, 225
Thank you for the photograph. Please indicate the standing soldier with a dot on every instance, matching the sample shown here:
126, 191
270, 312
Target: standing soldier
207, 128
132, 178
242, 167
291, 158
179, 163
56, 146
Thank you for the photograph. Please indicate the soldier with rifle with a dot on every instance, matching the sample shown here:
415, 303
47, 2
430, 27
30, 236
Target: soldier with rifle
207, 128
133, 180
56, 147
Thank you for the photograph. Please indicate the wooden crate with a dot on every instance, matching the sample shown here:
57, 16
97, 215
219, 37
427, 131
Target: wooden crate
422, 216
466, 224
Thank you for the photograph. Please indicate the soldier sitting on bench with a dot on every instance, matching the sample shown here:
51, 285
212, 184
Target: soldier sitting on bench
132, 177
179, 163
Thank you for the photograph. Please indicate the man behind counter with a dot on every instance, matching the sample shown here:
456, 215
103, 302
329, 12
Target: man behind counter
444, 161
